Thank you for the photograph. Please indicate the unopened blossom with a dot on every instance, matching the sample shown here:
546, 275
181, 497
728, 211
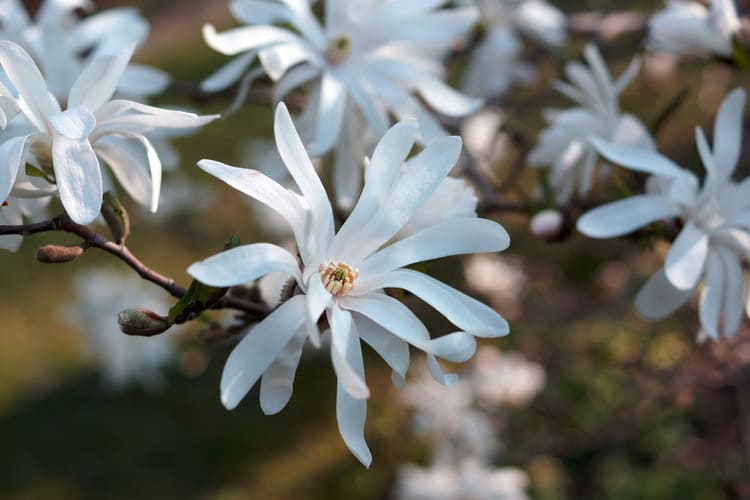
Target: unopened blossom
375, 55
469, 479
565, 146
68, 143
715, 218
495, 63
342, 274
62, 42
100, 294
547, 223
690, 27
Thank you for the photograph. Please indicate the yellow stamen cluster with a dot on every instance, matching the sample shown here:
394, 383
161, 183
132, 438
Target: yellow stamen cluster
338, 49
338, 277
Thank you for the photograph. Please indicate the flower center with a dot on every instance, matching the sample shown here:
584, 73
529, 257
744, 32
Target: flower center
338, 277
338, 49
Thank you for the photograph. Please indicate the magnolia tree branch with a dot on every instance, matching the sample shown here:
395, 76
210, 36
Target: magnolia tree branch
62, 223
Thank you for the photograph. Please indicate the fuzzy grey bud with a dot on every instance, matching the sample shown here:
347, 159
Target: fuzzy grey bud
58, 254
142, 322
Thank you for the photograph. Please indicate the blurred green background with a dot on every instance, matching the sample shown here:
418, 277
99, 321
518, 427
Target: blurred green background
631, 409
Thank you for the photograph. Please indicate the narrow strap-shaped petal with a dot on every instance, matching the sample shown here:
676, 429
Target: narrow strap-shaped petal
420, 179
659, 298
122, 112
278, 59
383, 170
295, 77
295, 158
464, 312
728, 132
28, 81
372, 108
686, 259
330, 115
638, 159
226, 75
277, 381
398, 319
455, 236
393, 350
318, 299
154, 166
139, 80
712, 296
245, 263
734, 287
258, 349
12, 156
351, 414
98, 81
262, 188
624, 216
78, 177
129, 166
345, 349
238, 40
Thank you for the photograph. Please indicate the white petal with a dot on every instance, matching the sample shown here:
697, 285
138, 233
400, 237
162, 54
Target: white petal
711, 296
640, 160
398, 319
262, 188
387, 160
686, 258
624, 216
98, 81
318, 299
228, 74
139, 80
278, 59
245, 263
122, 113
238, 40
330, 115
351, 414
728, 132
659, 298
73, 123
277, 381
393, 350
78, 177
345, 350
129, 166
456, 236
466, 313
258, 349
300, 167
734, 287
12, 157
28, 81
295, 77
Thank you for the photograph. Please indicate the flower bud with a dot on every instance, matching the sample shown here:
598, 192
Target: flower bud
142, 322
546, 224
116, 217
58, 254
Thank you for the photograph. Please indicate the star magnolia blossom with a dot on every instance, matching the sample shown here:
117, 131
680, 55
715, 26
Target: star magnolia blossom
57, 37
343, 274
565, 146
715, 217
374, 53
689, 27
67, 144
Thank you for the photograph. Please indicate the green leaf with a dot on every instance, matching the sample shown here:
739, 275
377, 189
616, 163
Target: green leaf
33, 171
199, 296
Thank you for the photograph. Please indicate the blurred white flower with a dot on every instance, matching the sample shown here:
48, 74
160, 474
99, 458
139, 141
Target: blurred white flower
344, 274
534, 18
715, 236
565, 146
448, 417
546, 223
69, 144
372, 53
62, 42
500, 279
467, 480
123, 359
504, 379
689, 27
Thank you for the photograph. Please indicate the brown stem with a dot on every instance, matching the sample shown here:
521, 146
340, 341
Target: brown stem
122, 252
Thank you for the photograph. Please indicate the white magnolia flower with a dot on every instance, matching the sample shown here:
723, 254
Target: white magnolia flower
689, 27
505, 379
343, 274
62, 43
373, 53
495, 63
68, 144
715, 216
565, 146
467, 480
123, 359
449, 418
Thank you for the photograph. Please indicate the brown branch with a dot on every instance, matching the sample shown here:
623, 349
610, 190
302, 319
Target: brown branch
92, 239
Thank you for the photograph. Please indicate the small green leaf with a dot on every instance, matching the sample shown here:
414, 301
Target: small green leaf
199, 296
33, 171
116, 217
739, 52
